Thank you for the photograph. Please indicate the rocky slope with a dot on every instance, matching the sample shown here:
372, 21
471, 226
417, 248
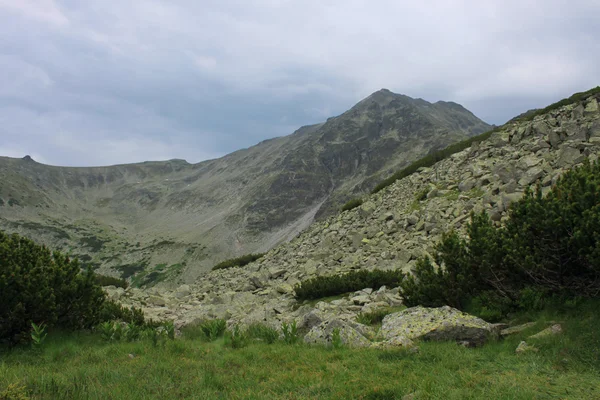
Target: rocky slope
171, 221
390, 230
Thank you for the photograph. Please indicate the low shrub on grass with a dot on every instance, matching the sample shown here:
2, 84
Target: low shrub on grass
374, 317
262, 333
236, 338
290, 333
324, 286
41, 286
352, 204
103, 280
238, 261
208, 330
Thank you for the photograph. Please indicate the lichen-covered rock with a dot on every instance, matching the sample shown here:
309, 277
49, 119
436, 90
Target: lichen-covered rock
523, 347
440, 324
351, 334
555, 329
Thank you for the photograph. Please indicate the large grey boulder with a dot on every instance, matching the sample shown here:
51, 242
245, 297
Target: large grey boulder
440, 324
352, 334
569, 156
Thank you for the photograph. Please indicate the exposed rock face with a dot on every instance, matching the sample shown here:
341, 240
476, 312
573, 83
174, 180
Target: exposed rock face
391, 231
154, 220
439, 324
352, 334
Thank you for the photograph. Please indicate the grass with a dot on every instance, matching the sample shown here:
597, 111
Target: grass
81, 366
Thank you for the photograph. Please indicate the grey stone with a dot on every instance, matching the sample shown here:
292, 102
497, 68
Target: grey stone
516, 329
555, 329
569, 156
440, 324
523, 347
350, 335
531, 175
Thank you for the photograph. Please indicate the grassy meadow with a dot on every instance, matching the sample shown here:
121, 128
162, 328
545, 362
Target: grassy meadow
83, 366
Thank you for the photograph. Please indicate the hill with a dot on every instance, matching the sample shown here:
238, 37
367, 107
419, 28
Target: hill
172, 221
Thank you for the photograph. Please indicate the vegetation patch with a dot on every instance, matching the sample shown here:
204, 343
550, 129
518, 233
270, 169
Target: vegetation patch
103, 280
93, 243
35, 226
547, 251
97, 366
238, 261
159, 273
324, 286
352, 204
128, 270
375, 317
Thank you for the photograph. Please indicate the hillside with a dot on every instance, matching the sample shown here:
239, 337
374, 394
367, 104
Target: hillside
392, 228
171, 220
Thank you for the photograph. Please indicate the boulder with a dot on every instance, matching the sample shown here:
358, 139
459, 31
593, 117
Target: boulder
555, 329
569, 156
440, 324
366, 209
523, 347
516, 329
157, 301
351, 334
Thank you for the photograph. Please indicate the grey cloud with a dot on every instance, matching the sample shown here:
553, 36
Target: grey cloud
100, 81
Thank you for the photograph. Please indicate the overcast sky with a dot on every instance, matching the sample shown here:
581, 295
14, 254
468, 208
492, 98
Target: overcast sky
96, 82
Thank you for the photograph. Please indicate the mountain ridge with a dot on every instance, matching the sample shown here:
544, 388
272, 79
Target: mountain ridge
173, 212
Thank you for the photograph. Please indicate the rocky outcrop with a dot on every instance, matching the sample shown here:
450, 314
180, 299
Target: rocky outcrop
351, 334
437, 324
392, 229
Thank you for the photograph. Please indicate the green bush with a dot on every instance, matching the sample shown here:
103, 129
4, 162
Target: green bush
238, 262
103, 280
208, 330
325, 286
374, 317
40, 286
352, 204
112, 311
548, 249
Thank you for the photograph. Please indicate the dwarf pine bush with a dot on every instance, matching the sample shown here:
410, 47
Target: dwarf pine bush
238, 262
41, 286
324, 286
352, 204
548, 247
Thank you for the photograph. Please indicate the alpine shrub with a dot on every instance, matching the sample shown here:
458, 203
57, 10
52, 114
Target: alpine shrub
103, 280
40, 286
352, 204
238, 262
324, 286
548, 249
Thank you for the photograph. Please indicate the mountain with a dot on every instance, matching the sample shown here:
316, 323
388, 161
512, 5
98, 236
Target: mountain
171, 220
391, 229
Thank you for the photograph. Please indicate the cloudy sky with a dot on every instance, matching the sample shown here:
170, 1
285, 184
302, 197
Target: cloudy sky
99, 82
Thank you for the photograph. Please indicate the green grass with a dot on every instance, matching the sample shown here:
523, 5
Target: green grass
81, 366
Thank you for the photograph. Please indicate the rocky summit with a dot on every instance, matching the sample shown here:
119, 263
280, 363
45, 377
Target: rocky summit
390, 230
171, 221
